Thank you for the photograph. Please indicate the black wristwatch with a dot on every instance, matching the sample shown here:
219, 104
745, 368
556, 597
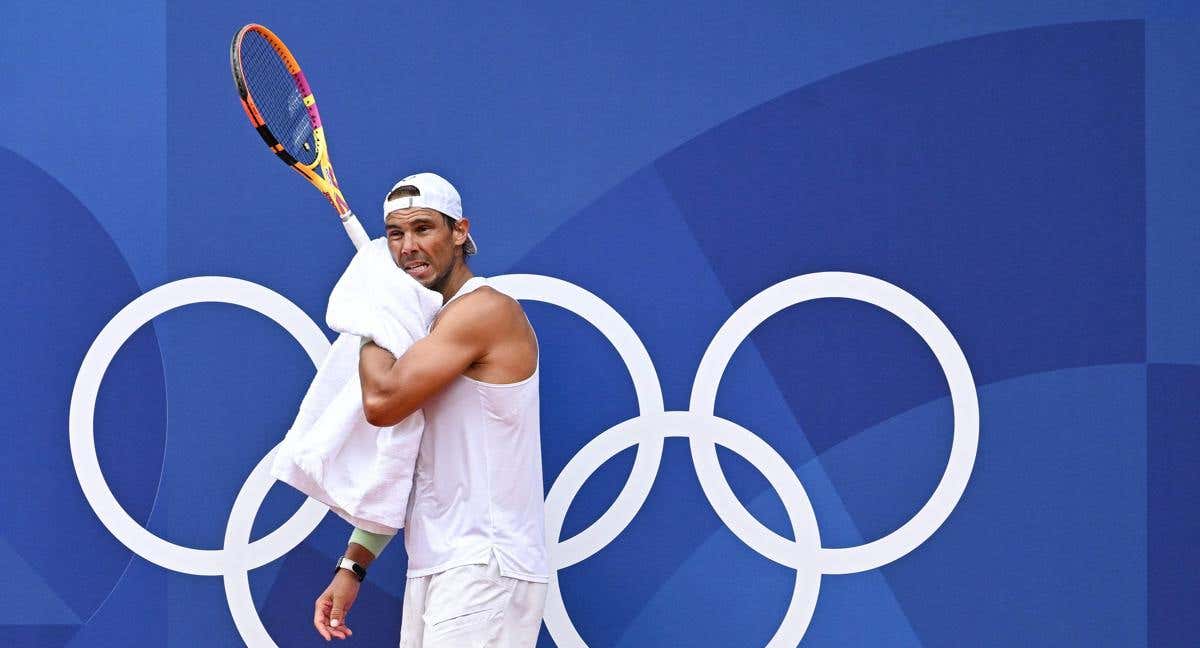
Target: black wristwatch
346, 563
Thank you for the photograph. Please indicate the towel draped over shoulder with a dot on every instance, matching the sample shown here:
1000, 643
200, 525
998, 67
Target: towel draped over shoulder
331, 453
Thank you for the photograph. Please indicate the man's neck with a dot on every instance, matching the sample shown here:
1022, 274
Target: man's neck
458, 277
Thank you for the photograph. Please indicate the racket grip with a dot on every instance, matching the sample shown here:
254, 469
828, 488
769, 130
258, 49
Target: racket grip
355, 230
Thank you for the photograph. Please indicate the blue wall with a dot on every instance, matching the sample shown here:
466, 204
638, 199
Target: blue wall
1021, 168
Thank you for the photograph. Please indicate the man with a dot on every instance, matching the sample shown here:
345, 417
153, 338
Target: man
474, 532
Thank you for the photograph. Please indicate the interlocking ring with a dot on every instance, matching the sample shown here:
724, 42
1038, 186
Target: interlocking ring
234, 561
647, 431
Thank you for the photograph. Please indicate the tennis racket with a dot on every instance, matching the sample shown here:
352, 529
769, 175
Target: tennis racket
281, 107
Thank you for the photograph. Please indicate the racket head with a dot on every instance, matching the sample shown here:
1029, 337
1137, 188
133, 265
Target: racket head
277, 99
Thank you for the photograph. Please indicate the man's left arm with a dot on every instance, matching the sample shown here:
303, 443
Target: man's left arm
393, 388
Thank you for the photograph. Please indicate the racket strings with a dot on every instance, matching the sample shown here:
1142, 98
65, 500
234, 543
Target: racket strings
277, 97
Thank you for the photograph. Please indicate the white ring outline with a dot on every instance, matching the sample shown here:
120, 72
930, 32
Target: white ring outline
239, 555
633, 494
650, 401
714, 430
963, 396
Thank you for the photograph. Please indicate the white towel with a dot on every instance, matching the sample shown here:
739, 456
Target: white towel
331, 453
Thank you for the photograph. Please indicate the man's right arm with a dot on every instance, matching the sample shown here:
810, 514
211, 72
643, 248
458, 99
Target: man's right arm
393, 388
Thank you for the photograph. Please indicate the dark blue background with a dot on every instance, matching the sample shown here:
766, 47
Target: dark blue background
1020, 168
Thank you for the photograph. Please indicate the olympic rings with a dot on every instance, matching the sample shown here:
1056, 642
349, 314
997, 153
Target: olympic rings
647, 431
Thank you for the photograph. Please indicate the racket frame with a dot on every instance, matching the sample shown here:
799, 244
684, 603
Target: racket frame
325, 181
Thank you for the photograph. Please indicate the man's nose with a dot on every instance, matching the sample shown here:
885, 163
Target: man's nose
407, 245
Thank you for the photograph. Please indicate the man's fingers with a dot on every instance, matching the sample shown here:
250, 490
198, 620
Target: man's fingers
338, 615
319, 624
320, 620
329, 617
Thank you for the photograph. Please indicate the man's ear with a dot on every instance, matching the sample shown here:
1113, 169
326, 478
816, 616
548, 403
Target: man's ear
462, 227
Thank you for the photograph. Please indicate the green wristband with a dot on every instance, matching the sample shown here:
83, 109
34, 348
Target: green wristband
373, 542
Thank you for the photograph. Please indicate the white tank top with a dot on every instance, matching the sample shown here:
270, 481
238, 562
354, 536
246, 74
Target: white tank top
477, 491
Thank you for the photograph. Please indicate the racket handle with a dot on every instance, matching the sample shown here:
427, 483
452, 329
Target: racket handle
355, 230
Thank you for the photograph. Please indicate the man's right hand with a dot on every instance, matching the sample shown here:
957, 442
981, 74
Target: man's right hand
334, 603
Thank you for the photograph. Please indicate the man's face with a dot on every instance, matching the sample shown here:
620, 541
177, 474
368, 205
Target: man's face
423, 245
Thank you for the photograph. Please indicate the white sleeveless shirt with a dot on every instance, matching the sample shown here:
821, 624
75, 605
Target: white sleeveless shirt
477, 491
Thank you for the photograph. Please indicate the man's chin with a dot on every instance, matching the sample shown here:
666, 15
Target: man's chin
432, 282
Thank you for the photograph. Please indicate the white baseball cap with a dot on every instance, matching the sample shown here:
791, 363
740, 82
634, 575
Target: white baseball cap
433, 192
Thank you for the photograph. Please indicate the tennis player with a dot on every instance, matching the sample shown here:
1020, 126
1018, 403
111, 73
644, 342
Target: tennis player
477, 562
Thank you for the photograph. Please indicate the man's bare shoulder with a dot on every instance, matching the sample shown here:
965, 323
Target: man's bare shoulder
484, 307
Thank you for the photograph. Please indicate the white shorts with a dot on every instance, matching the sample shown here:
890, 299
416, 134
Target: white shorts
472, 606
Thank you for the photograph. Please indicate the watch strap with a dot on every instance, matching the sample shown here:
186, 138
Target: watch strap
358, 570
